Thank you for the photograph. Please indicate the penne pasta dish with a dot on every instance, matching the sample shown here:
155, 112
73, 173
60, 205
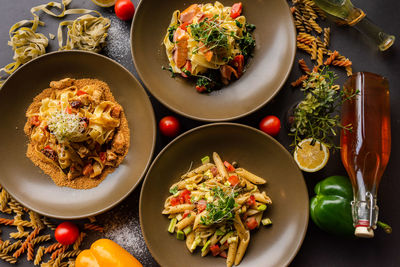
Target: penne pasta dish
77, 132
209, 43
215, 206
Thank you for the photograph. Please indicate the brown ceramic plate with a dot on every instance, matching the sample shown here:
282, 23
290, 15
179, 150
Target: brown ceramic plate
266, 72
26, 182
253, 150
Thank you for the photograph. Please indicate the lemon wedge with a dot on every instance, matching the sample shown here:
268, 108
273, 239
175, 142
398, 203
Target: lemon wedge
311, 158
104, 3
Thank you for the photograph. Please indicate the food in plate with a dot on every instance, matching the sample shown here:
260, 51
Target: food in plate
209, 43
215, 206
77, 132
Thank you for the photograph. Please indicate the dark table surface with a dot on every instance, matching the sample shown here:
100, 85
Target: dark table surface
319, 248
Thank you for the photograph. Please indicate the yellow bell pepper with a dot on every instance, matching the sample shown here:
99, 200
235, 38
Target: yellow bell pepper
106, 253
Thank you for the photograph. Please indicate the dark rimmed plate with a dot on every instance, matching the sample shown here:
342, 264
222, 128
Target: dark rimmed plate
266, 72
255, 151
26, 182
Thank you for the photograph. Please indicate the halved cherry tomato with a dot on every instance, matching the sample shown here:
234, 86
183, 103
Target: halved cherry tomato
200, 89
229, 167
66, 233
80, 92
251, 201
238, 63
215, 250
233, 180
68, 110
236, 10
201, 205
251, 223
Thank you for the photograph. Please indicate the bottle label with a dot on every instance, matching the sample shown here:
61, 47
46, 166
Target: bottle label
362, 223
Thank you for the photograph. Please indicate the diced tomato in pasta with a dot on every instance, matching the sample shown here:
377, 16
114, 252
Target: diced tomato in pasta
201, 205
200, 89
233, 180
185, 214
251, 201
87, 170
223, 254
184, 197
229, 167
174, 201
251, 223
80, 92
184, 25
215, 250
103, 156
238, 63
35, 120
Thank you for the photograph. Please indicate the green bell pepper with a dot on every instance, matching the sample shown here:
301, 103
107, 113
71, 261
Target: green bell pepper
330, 209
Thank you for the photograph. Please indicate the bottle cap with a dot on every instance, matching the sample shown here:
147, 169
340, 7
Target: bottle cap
363, 231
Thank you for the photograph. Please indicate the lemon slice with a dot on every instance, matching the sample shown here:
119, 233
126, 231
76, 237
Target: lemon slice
311, 158
104, 3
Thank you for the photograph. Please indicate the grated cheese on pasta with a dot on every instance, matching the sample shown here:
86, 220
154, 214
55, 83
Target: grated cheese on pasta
65, 126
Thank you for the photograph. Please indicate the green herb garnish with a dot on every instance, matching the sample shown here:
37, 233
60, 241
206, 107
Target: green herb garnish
247, 44
174, 190
240, 25
221, 209
316, 116
211, 34
171, 31
173, 74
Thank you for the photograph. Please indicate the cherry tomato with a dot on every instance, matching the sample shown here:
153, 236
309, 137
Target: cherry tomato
270, 125
233, 180
238, 62
169, 126
66, 233
229, 166
236, 10
251, 223
124, 9
215, 250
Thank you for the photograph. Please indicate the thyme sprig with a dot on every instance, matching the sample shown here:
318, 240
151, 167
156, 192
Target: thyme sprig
316, 116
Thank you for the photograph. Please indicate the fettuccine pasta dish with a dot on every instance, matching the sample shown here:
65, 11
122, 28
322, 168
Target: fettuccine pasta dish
215, 206
77, 132
209, 43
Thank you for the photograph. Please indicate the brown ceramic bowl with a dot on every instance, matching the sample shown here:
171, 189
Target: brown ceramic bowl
266, 72
253, 150
26, 182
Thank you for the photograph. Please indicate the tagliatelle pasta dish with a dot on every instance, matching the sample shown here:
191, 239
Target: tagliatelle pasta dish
210, 43
215, 206
77, 132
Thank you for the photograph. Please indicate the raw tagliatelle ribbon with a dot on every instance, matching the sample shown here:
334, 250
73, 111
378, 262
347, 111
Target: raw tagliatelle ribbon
85, 33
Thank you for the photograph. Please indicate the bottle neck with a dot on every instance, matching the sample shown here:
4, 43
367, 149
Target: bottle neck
365, 214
